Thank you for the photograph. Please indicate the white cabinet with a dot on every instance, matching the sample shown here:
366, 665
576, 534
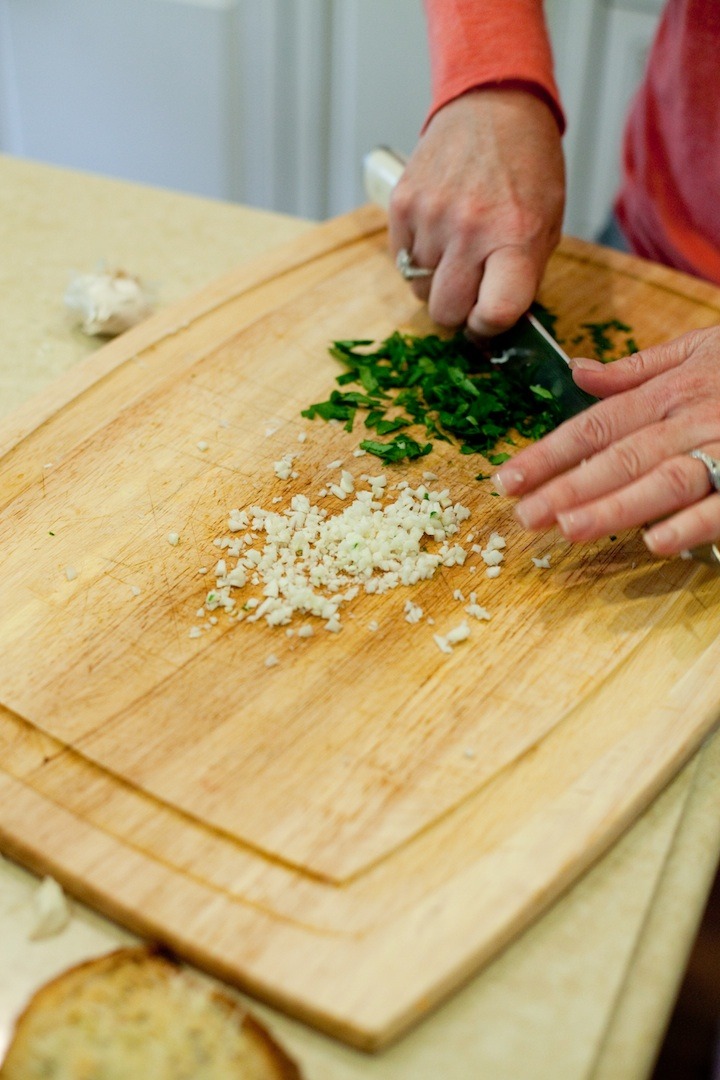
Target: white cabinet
275, 102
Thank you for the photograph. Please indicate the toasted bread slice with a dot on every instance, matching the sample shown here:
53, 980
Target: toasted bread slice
136, 1014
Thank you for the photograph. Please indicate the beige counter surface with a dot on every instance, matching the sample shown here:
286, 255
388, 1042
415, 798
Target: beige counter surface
586, 991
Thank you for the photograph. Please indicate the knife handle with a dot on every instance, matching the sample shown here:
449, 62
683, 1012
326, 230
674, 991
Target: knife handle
382, 168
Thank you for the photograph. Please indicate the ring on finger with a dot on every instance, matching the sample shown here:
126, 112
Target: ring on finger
408, 269
707, 553
711, 464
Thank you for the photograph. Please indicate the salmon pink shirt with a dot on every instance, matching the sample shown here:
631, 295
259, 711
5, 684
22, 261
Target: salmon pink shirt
669, 199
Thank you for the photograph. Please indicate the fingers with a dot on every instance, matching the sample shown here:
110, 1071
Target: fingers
487, 290
604, 380
674, 488
507, 289
578, 439
486, 176
622, 463
674, 485
695, 524
592, 501
626, 461
455, 286
402, 231
495, 291
691, 528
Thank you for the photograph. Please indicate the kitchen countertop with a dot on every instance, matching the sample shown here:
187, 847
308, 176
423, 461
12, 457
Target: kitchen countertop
586, 991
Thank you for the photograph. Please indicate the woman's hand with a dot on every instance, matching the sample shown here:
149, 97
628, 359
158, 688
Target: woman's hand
625, 461
481, 202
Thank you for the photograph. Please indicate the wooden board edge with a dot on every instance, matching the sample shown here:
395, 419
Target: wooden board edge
646, 270
325, 237
376, 1011
657, 754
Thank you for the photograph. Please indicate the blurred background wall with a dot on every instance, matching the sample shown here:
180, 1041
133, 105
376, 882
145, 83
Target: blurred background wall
275, 102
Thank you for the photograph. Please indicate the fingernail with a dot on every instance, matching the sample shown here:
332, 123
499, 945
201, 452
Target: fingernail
508, 481
534, 513
583, 364
574, 522
660, 538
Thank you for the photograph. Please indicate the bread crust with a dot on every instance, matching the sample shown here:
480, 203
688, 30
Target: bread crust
158, 971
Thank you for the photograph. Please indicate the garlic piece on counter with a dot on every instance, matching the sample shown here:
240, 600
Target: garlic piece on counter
51, 912
107, 303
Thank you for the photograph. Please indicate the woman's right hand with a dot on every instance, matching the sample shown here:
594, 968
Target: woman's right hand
481, 202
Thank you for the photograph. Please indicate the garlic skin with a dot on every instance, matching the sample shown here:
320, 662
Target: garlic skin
50, 910
107, 303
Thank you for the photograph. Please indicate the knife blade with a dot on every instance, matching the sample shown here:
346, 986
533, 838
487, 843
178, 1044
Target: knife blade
528, 342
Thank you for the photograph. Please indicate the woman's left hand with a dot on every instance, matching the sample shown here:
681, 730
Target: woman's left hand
625, 462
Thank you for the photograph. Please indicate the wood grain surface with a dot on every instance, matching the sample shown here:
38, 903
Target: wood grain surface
351, 833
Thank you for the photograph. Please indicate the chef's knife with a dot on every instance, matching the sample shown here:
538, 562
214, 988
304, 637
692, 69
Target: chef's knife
528, 342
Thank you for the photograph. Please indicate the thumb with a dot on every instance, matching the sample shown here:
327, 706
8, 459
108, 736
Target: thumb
507, 289
604, 380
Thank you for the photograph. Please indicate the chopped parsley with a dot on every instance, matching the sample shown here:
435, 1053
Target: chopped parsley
399, 448
604, 337
448, 387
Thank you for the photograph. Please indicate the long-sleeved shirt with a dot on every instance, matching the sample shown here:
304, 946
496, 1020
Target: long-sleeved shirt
669, 199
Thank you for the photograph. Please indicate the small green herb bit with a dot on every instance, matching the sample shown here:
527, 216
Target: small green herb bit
373, 417
541, 392
402, 446
603, 343
385, 427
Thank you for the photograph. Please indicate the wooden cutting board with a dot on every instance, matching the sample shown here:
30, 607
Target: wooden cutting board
350, 833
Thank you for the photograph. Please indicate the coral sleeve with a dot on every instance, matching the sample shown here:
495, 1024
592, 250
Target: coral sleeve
479, 43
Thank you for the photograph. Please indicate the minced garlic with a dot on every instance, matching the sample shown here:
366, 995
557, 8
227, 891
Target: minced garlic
309, 561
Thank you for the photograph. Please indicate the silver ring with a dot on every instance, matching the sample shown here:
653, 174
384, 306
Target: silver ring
408, 269
711, 464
